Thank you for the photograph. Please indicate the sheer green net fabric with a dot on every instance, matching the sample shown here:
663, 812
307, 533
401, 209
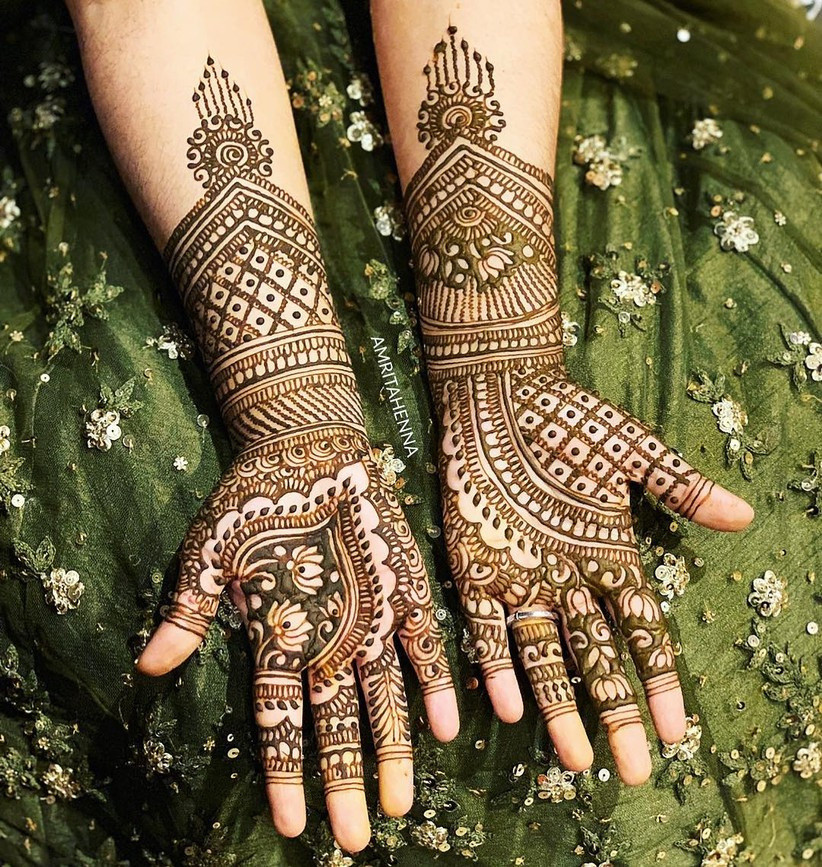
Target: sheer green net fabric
687, 224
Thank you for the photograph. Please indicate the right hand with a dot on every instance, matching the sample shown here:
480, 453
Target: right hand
535, 474
316, 553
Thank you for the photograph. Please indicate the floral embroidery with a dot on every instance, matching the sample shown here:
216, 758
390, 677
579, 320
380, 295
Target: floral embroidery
672, 575
174, 342
705, 132
629, 292
768, 594
322, 99
802, 355
63, 589
808, 761
603, 162
740, 447
762, 766
556, 785
389, 221
157, 758
736, 232
363, 130
5, 442
180, 463
632, 288
685, 766
715, 844
68, 304
102, 425
360, 89
390, 466
10, 226
811, 484
570, 330
60, 782
102, 429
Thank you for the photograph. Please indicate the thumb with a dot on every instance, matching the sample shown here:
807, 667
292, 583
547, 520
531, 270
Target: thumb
683, 489
192, 609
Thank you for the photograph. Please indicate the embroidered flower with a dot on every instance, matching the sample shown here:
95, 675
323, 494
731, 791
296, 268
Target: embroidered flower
570, 330
389, 465
632, 288
672, 575
705, 132
431, 836
360, 89
180, 463
813, 361
364, 131
54, 76
158, 759
5, 442
556, 785
9, 212
768, 594
686, 748
731, 418
603, 164
60, 782
102, 428
725, 852
735, 232
808, 761
63, 589
174, 342
389, 221
48, 114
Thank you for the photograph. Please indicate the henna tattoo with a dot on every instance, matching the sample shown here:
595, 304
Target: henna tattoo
535, 470
311, 541
481, 227
248, 263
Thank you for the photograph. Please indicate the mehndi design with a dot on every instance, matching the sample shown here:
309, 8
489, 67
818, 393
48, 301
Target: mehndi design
311, 543
535, 469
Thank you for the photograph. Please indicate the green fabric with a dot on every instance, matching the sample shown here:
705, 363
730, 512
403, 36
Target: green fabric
164, 772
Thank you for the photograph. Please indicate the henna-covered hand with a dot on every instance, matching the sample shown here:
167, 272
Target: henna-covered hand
309, 542
535, 470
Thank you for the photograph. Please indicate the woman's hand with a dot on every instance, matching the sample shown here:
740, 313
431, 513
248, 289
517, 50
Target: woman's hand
535, 473
315, 551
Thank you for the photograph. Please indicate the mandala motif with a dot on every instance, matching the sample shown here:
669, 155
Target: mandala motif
460, 96
226, 143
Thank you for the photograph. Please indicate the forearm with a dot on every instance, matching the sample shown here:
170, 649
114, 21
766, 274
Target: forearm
192, 100
472, 96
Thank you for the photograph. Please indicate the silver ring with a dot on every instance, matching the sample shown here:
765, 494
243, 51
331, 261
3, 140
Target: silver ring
531, 614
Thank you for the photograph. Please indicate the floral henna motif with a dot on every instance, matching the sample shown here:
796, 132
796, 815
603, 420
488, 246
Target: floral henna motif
535, 470
310, 542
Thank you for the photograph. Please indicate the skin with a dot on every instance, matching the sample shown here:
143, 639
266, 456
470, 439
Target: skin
301, 531
535, 470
